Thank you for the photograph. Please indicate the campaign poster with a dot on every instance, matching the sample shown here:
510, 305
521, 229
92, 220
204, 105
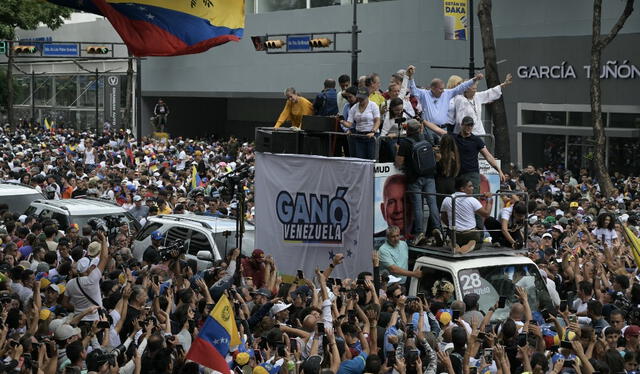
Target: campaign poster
490, 182
310, 208
390, 186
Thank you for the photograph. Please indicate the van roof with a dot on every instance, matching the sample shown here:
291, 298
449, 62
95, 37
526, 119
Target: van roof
214, 223
10, 188
83, 206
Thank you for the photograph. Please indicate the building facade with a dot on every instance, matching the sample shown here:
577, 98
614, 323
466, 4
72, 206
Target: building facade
232, 88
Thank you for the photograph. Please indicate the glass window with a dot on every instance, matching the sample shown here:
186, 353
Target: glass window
625, 120
623, 155
22, 90
584, 119
66, 90
88, 91
225, 241
579, 152
148, 229
43, 92
177, 233
552, 146
199, 242
265, 6
430, 277
494, 281
63, 221
321, 3
537, 117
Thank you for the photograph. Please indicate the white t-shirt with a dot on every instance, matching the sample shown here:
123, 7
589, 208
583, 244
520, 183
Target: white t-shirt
465, 211
505, 214
364, 120
609, 235
91, 286
182, 157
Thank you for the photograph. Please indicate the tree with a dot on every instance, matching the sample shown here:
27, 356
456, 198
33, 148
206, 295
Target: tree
26, 15
496, 108
598, 44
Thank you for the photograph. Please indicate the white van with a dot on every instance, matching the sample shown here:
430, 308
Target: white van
18, 196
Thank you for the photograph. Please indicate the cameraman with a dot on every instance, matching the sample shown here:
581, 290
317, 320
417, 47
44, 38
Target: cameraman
151, 255
83, 292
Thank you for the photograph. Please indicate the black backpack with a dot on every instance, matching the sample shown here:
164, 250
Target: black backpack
423, 160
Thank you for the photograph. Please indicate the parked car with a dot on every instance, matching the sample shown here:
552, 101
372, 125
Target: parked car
18, 196
80, 211
206, 238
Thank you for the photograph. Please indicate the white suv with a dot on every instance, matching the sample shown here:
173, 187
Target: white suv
80, 211
206, 238
487, 272
18, 196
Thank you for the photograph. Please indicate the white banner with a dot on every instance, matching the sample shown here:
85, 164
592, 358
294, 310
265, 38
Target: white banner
309, 208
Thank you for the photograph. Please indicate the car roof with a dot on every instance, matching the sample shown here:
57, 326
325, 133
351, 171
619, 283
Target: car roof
83, 206
458, 264
200, 221
10, 188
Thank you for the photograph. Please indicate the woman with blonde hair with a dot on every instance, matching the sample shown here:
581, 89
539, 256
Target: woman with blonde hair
454, 81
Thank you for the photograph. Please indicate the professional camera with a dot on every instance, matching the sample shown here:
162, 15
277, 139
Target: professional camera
98, 224
172, 251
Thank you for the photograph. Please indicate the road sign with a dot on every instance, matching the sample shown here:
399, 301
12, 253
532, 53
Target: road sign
3, 47
60, 50
298, 43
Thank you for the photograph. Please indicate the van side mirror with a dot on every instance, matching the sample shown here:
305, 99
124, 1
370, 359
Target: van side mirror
204, 255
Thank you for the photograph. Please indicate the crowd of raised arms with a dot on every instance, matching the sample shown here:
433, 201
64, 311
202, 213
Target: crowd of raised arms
74, 300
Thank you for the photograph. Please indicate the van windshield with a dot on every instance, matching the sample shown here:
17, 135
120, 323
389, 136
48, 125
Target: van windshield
491, 282
19, 203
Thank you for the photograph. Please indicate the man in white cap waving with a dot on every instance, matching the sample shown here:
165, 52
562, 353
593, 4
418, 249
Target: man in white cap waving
83, 292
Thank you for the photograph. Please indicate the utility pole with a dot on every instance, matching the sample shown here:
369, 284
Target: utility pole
33, 97
97, 103
472, 66
139, 101
354, 44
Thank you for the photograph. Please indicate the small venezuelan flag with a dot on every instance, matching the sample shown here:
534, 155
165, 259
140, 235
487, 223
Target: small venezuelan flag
169, 27
216, 336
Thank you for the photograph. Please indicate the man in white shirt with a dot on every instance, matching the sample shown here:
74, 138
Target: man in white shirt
84, 292
466, 234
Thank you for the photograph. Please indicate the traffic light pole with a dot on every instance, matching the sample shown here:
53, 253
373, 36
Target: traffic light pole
97, 96
139, 101
33, 96
354, 44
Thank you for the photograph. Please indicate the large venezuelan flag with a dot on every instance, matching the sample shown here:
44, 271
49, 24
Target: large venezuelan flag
216, 336
634, 244
169, 27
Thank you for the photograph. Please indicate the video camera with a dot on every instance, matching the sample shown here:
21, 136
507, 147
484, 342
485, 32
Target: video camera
172, 251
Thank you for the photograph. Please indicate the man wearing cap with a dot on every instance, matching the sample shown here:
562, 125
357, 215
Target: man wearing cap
280, 311
419, 183
254, 267
51, 295
83, 292
139, 211
469, 146
93, 250
151, 255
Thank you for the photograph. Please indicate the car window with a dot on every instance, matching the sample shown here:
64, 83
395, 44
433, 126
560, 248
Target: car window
225, 241
147, 230
491, 282
46, 213
177, 233
430, 277
20, 203
63, 221
198, 242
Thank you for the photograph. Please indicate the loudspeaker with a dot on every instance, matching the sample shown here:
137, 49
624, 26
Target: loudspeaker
317, 144
278, 141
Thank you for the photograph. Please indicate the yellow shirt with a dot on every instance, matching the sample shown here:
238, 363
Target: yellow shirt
294, 111
377, 98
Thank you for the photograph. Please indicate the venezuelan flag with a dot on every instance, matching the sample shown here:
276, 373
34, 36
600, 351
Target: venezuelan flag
196, 181
216, 336
634, 243
168, 27
47, 125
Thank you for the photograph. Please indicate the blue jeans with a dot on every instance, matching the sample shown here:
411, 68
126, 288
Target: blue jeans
362, 147
428, 185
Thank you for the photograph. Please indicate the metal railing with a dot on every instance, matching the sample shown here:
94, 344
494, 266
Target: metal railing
452, 228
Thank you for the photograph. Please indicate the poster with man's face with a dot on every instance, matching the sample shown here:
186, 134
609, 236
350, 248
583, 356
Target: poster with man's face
389, 206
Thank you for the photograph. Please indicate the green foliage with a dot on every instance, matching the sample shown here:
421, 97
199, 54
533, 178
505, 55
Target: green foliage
28, 15
4, 91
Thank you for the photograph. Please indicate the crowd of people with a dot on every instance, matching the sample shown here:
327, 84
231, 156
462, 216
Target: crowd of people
76, 300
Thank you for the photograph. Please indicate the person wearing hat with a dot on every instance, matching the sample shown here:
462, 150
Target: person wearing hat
51, 295
469, 146
254, 267
364, 121
420, 183
139, 211
280, 312
151, 255
295, 108
83, 292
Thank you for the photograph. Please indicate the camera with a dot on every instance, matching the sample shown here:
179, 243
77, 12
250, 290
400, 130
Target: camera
400, 120
172, 251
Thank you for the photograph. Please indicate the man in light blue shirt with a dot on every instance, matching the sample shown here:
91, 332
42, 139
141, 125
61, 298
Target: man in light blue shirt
435, 101
394, 256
